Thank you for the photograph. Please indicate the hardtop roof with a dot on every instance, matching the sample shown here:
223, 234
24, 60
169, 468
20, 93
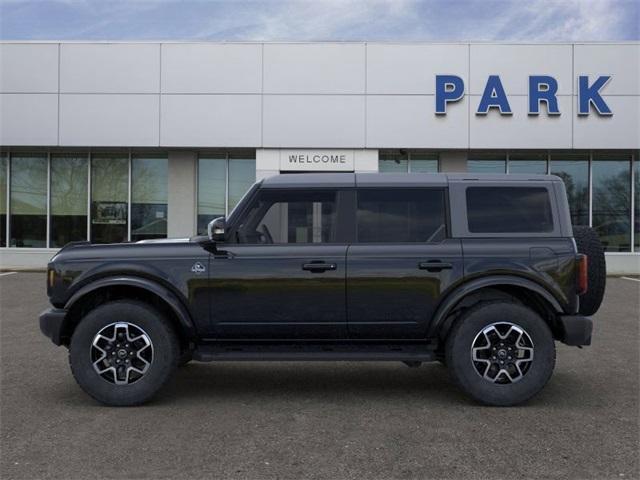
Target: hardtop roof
337, 180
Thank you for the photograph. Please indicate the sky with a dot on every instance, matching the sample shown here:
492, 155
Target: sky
321, 20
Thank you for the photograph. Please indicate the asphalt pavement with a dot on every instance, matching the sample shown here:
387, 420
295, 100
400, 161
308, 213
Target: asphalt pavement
319, 420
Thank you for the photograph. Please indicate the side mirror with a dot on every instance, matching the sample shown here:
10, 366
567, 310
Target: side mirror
217, 229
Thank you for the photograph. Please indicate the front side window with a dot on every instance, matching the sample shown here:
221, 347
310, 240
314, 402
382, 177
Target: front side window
401, 216
149, 194
509, 210
291, 216
28, 201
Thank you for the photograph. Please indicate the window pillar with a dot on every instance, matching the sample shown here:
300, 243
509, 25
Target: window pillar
182, 194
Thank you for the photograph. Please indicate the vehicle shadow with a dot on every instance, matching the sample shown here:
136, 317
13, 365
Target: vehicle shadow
325, 381
337, 381
331, 382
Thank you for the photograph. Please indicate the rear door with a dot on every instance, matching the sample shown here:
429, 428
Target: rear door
401, 262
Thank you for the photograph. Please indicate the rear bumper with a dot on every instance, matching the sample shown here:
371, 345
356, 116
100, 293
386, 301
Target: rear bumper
575, 330
52, 323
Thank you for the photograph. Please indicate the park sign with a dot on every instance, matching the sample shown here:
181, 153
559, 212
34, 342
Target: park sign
542, 90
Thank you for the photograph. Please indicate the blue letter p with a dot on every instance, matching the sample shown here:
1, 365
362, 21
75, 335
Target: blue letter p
449, 88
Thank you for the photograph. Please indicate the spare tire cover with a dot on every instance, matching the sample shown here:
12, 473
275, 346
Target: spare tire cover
588, 243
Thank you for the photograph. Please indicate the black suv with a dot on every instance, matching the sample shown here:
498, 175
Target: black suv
481, 273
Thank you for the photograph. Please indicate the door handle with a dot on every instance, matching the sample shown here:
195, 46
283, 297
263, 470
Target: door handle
434, 266
318, 267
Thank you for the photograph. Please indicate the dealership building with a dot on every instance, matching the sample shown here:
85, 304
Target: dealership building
117, 142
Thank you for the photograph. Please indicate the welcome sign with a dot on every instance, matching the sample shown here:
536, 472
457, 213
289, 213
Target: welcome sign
317, 160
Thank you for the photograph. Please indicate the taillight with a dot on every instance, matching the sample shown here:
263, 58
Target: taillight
51, 277
583, 266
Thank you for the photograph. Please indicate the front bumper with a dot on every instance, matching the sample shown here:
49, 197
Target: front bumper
52, 323
575, 330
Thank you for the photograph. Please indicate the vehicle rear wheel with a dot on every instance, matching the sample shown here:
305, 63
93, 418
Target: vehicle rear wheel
123, 352
588, 243
500, 353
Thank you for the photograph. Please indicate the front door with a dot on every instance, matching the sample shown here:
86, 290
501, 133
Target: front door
282, 275
401, 263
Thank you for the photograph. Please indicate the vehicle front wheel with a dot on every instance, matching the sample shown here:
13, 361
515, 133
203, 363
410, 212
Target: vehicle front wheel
500, 353
123, 352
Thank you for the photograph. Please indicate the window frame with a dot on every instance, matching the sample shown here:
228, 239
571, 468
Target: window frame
447, 214
459, 214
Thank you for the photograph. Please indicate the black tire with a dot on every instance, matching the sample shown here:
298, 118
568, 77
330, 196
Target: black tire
465, 371
588, 243
165, 352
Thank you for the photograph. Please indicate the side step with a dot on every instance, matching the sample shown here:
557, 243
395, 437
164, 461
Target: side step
397, 352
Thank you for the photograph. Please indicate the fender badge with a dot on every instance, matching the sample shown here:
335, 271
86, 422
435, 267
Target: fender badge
198, 268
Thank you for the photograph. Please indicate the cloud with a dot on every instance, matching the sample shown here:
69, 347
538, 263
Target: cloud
330, 20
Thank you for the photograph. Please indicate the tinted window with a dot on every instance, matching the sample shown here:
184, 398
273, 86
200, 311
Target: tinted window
401, 215
290, 217
508, 210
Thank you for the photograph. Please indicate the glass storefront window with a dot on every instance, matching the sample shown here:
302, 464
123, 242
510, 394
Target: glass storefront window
4, 161
611, 184
528, 162
487, 162
411, 162
28, 208
636, 201
242, 174
423, 162
149, 196
222, 181
573, 169
68, 208
212, 173
109, 196
393, 162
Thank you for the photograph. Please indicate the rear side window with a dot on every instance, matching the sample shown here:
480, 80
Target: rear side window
509, 210
401, 216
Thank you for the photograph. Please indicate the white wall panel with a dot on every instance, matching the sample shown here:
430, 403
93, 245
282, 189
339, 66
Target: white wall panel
397, 121
28, 119
521, 130
514, 64
313, 121
210, 120
28, 68
314, 68
621, 130
109, 120
412, 69
211, 68
620, 61
110, 68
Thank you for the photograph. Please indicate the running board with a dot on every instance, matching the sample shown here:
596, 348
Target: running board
407, 352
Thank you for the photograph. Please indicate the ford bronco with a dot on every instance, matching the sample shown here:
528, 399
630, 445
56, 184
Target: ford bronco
481, 273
